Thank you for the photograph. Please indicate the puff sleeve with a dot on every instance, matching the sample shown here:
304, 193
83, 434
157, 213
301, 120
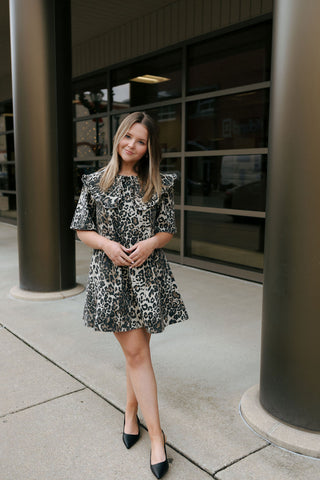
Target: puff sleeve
85, 214
165, 218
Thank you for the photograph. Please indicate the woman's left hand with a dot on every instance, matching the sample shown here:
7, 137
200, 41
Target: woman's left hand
141, 251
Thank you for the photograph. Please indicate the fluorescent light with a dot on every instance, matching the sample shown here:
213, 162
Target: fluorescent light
151, 79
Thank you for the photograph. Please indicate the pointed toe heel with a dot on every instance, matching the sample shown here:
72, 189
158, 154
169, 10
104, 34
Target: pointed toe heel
129, 439
160, 469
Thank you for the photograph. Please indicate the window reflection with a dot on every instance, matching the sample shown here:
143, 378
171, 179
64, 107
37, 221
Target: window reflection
229, 181
6, 122
92, 137
8, 206
90, 96
157, 78
6, 147
227, 239
168, 118
234, 59
7, 176
227, 122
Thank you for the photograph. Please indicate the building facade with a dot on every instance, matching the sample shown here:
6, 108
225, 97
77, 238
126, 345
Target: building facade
202, 70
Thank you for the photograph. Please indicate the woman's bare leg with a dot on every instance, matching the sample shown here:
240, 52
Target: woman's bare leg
131, 425
135, 345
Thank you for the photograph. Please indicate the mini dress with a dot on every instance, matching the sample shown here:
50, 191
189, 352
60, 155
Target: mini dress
119, 299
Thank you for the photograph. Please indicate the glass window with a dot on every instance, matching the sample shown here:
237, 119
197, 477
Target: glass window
8, 207
229, 181
228, 122
6, 147
91, 137
90, 96
234, 59
7, 176
227, 239
84, 168
152, 80
169, 122
174, 245
6, 122
173, 165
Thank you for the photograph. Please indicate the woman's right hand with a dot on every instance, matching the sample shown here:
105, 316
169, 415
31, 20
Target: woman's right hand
117, 253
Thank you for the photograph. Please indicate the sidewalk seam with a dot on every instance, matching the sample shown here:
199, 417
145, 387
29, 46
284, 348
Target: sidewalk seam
44, 401
237, 460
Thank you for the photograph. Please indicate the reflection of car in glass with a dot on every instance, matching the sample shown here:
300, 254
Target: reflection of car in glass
251, 196
199, 187
193, 145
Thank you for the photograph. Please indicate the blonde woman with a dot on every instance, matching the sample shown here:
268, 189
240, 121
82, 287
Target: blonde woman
126, 214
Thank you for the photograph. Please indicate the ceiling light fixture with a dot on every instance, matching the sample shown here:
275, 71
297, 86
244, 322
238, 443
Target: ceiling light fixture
151, 79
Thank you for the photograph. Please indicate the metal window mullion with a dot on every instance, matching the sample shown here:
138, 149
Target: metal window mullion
171, 154
90, 117
236, 151
183, 142
147, 106
229, 91
225, 211
90, 159
109, 87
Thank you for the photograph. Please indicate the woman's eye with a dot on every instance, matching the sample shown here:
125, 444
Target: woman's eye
127, 135
142, 142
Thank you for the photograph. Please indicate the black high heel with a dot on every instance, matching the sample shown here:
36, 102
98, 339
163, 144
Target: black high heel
130, 439
160, 469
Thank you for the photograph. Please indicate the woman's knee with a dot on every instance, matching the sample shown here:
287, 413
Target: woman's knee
137, 356
135, 347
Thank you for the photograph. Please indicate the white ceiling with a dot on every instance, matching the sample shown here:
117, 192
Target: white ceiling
89, 19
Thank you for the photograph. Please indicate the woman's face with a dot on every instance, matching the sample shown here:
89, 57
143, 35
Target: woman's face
133, 146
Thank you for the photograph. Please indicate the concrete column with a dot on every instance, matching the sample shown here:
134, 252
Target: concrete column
290, 358
42, 104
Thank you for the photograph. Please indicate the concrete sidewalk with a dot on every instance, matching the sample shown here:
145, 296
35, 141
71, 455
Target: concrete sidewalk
63, 387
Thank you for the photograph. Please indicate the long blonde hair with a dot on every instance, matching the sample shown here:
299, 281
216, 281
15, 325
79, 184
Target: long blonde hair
148, 167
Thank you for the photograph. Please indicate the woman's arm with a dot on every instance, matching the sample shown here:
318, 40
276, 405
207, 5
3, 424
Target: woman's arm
117, 253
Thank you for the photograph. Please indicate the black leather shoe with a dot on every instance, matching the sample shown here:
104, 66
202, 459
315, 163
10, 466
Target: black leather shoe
128, 439
160, 469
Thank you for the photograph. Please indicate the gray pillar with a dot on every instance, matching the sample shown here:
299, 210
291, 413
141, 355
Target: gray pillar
42, 105
290, 362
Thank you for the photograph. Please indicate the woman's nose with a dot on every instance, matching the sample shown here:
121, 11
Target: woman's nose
131, 142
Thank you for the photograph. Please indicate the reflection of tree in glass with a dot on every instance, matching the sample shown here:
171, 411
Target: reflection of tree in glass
94, 105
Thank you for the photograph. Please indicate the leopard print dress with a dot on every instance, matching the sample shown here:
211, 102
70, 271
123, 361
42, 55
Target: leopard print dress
119, 299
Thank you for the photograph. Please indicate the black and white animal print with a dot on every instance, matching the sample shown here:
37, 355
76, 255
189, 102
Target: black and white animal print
122, 298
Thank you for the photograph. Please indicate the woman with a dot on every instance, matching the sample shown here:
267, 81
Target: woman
125, 213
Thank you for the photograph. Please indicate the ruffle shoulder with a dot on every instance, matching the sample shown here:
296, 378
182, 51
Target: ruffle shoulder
113, 195
110, 198
168, 179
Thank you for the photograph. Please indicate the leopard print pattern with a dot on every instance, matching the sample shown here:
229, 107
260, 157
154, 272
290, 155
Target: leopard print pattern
119, 299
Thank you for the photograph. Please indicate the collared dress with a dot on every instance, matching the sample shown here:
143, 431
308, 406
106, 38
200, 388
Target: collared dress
119, 299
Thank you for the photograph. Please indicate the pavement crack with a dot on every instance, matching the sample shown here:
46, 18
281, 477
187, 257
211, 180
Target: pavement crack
237, 460
179, 452
43, 402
